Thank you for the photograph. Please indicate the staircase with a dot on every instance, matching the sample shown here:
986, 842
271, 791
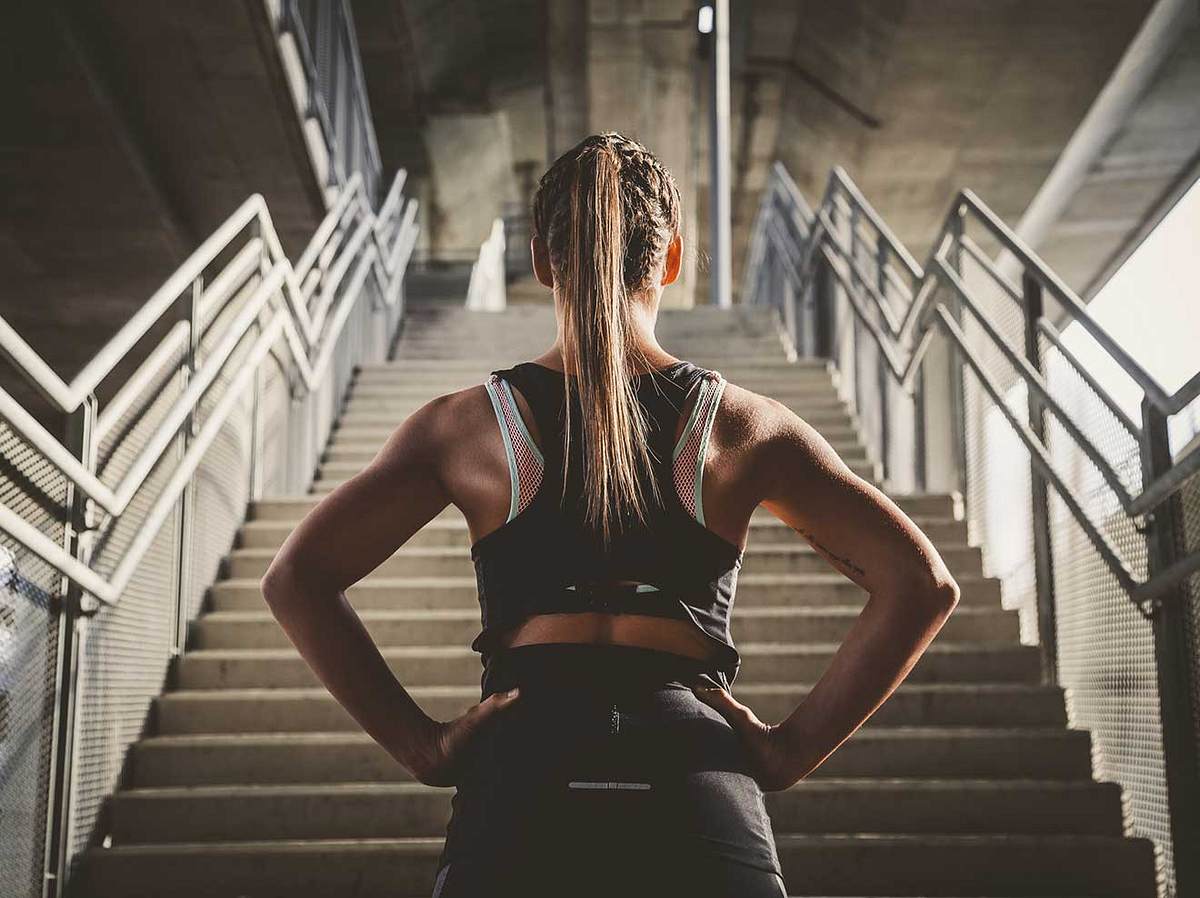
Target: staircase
968, 782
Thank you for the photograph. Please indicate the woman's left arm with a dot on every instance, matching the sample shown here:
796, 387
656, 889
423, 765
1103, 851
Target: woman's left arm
347, 535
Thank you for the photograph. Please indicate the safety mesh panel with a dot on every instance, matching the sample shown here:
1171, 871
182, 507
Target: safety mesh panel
1189, 536
28, 652
1106, 662
125, 650
220, 488
123, 660
998, 494
1106, 653
884, 413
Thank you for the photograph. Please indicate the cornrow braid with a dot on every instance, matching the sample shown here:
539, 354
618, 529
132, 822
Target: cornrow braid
649, 199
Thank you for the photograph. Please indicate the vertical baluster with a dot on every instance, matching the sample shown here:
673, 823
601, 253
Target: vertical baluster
958, 422
1164, 537
881, 372
186, 513
72, 609
1043, 551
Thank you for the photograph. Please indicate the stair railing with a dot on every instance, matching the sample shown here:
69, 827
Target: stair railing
943, 361
319, 49
303, 307
222, 389
486, 289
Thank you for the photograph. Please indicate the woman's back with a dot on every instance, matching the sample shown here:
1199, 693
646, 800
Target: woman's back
546, 559
608, 521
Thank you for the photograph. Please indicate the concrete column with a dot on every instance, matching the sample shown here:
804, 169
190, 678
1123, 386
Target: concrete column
641, 83
472, 173
566, 75
720, 220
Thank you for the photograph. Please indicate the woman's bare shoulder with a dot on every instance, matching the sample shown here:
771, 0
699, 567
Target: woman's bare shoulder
444, 423
747, 419
763, 434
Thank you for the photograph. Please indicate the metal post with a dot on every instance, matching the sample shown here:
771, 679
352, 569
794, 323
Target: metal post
73, 608
881, 372
922, 452
183, 557
256, 440
720, 205
1043, 553
856, 357
827, 301
958, 411
1182, 766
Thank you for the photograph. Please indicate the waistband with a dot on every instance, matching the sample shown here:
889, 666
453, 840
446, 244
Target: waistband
600, 669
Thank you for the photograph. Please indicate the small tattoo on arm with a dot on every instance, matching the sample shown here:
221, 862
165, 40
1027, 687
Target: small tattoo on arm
845, 565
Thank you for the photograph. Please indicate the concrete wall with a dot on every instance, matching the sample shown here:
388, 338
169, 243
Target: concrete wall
471, 176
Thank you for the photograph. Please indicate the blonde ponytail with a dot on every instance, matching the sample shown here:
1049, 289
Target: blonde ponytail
606, 209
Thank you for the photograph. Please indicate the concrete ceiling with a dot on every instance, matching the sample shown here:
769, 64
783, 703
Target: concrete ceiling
915, 98
919, 98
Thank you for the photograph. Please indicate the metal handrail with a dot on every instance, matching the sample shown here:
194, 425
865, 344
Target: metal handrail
334, 31
380, 246
903, 345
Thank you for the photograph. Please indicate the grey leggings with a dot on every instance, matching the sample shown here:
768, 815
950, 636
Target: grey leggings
607, 776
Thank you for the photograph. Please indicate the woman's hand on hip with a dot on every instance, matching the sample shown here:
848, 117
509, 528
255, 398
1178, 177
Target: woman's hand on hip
774, 763
435, 755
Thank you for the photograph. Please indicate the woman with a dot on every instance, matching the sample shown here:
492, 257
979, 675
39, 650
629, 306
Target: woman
608, 488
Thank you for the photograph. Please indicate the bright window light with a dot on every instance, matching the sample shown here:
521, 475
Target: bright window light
1149, 306
705, 21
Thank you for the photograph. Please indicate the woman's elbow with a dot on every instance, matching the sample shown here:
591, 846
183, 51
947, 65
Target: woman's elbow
946, 593
277, 583
931, 590
941, 592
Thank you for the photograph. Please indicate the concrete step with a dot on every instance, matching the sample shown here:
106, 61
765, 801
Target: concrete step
783, 383
943, 532
270, 534
361, 452
438, 376
943, 662
419, 387
382, 593
434, 561
448, 626
810, 387
772, 366
817, 409
313, 709
357, 417
330, 480
374, 436
862, 864
390, 810
517, 345
923, 507
1052, 753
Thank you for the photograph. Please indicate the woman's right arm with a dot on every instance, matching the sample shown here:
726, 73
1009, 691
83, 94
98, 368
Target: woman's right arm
863, 534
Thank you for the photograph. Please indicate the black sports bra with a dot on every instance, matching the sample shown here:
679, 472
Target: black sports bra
544, 559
